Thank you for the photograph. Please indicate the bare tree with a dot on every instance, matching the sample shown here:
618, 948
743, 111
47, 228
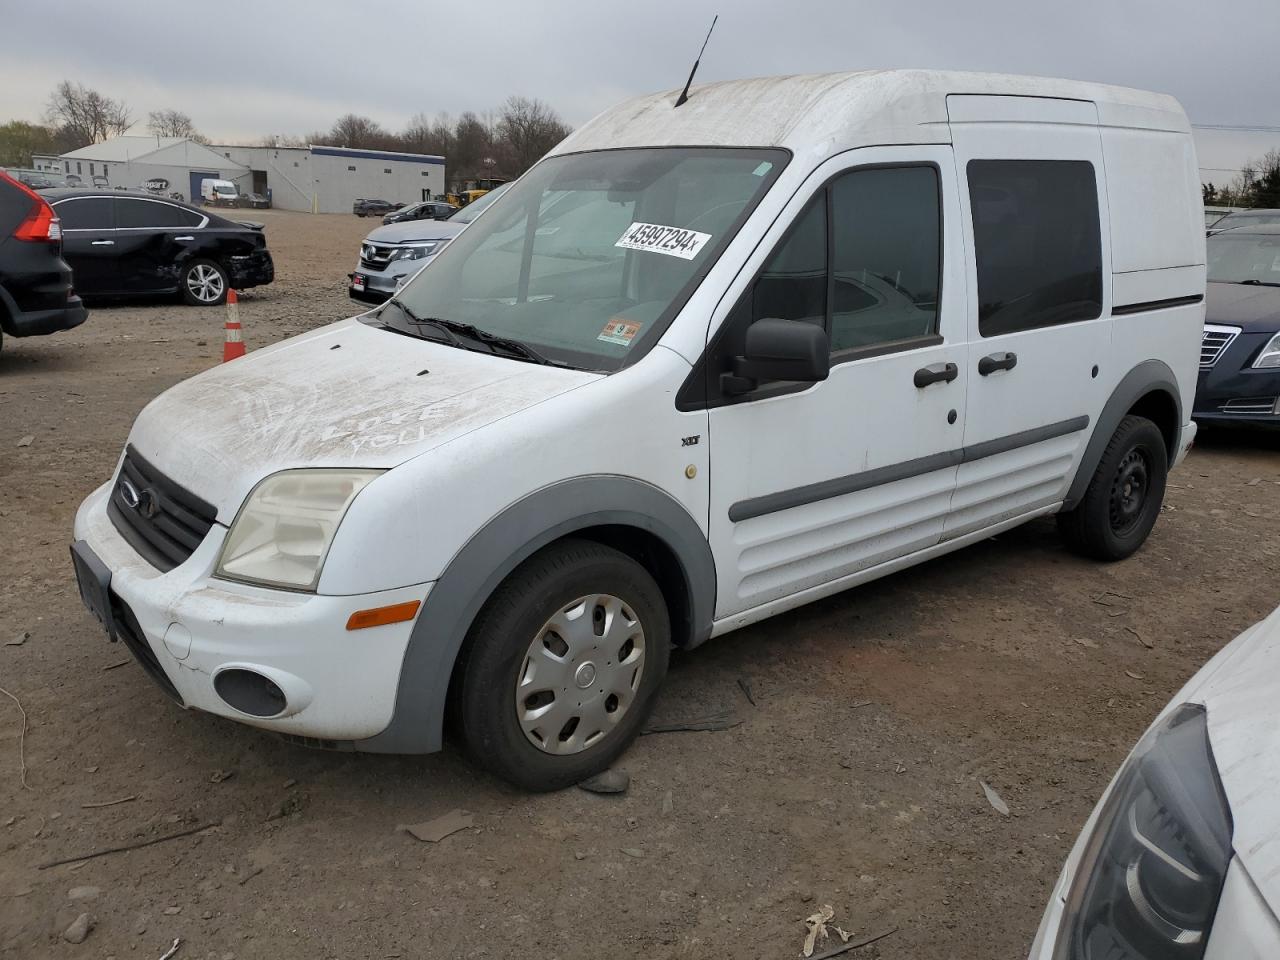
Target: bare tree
286, 140
172, 123
353, 130
86, 116
472, 144
528, 129
429, 136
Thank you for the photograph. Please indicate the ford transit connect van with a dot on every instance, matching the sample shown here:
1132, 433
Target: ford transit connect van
701, 365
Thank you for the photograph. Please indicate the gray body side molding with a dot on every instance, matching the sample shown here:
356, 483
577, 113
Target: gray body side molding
499, 547
1143, 379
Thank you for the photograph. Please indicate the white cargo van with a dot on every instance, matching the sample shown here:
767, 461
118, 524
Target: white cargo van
219, 193
701, 365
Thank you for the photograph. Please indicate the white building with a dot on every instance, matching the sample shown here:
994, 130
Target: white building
324, 179
132, 161
314, 179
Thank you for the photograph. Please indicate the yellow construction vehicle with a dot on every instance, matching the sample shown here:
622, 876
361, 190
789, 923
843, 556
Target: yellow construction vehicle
469, 190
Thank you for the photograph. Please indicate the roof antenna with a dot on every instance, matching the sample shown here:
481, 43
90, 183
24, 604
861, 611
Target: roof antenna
684, 94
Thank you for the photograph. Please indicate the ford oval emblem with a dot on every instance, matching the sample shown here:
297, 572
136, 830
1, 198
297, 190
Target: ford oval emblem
129, 494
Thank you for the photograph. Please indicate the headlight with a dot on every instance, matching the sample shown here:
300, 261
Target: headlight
283, 531
419, 251
1152, 871
1270, 355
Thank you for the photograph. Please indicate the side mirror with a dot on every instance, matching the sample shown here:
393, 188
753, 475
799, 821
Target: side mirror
780, 350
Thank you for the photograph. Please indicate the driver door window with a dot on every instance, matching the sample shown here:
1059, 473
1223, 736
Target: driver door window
863, 261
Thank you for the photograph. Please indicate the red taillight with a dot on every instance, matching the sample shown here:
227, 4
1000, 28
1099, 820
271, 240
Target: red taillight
41, 224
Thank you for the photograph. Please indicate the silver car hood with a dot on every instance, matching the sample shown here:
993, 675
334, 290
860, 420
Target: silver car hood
415, 230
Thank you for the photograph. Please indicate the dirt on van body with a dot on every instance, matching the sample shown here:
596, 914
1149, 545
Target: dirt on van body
868, 721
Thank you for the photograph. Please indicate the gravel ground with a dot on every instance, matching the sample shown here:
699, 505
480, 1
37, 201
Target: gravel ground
853, 779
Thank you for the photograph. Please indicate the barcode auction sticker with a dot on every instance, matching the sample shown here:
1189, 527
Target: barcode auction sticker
672, 241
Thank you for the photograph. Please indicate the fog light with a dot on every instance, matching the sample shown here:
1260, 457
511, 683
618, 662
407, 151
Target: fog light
250, 692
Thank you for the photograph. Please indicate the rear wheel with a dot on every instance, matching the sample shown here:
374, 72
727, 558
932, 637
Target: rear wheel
563, 666
1123, 499
204, 283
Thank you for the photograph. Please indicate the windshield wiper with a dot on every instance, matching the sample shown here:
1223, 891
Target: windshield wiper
1257, 283
521, 349
452, 328
450, 337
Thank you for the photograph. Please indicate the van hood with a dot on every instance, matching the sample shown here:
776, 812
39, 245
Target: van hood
1239, 689
346, 395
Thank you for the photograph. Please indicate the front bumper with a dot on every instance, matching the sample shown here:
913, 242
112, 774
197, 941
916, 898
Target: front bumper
339, 685
252, 270
382, 284
1232, 392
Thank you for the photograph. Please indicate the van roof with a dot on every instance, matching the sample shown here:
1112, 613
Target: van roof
836, 111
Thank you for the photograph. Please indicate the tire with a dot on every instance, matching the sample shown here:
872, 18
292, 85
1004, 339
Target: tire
204, 283
513, 637
1123, 499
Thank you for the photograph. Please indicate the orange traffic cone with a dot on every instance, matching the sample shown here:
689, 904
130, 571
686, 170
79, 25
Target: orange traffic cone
233, 346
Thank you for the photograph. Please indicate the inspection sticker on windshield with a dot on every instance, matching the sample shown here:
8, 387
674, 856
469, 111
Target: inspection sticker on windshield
673, 241
621, 332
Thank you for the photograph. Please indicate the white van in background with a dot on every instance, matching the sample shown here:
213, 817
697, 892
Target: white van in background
219, 193
661, 391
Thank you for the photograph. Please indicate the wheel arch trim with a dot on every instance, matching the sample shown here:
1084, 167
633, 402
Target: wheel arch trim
493, 552
1150, 376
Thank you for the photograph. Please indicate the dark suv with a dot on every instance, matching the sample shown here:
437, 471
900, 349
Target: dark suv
35, 282
373, 208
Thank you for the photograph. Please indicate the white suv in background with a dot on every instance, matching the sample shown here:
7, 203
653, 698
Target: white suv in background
658, 392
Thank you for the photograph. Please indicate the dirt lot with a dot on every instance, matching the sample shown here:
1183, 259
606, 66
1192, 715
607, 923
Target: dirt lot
853, 780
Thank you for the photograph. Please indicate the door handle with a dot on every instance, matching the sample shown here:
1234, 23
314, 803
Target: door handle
184, 238
936, 373
103, 243
997, 361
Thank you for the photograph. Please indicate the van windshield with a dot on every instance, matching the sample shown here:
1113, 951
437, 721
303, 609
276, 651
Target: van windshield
588, 256
227, 190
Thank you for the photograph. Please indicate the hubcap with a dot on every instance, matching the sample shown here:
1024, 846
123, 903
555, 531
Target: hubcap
1129, 492
580, 674
205, 283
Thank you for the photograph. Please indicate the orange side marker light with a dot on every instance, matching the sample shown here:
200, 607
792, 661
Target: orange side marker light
380, 616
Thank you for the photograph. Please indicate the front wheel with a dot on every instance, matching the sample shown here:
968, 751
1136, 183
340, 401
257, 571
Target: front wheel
204, 283
1123, 499
563, 666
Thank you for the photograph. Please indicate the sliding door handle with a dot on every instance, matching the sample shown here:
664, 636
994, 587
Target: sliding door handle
997, 361
936, 373
103, 243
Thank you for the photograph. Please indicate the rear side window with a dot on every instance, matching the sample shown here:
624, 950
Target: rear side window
149, 213
85, 213
1037, 243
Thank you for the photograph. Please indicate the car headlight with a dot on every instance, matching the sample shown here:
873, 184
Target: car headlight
282, 533
1270, 355
1152, 871
418, 251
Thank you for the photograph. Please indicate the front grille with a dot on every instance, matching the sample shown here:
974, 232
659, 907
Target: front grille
1216, 339
375, 255
130, 632
1258, 405
162, 520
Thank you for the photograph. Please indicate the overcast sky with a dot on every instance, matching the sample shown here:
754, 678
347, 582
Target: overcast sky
244, 69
